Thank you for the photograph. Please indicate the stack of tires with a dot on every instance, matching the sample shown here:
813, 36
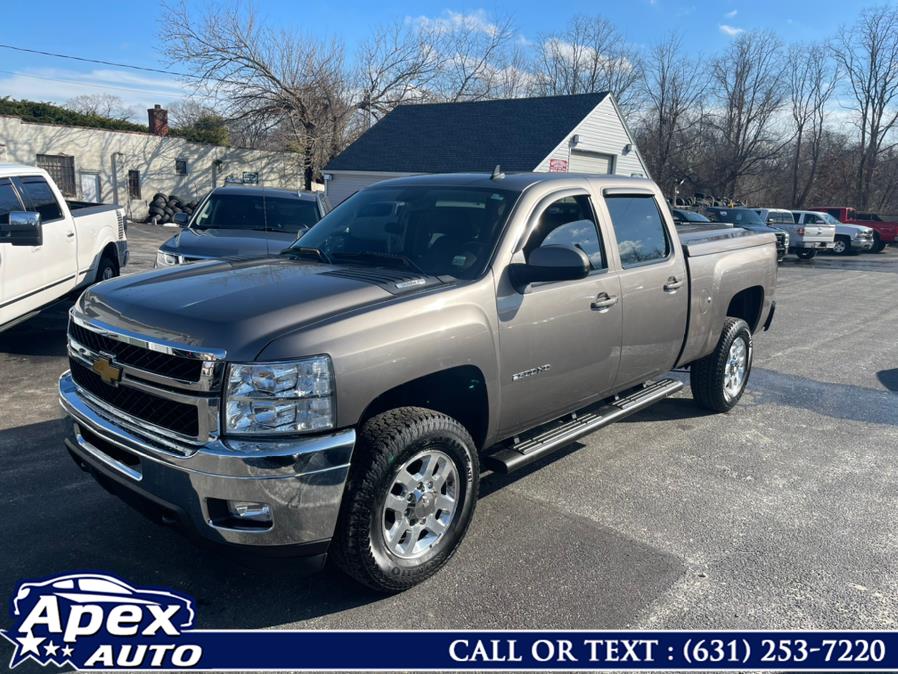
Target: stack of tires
163, 208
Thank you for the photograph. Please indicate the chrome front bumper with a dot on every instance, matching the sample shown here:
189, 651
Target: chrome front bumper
861, 244
301, 480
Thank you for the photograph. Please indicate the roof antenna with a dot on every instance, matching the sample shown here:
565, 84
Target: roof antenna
498, 173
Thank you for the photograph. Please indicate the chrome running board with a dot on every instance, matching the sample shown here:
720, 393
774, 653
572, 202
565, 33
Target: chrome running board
560, 433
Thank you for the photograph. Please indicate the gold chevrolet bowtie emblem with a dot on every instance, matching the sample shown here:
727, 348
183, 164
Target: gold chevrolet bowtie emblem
108, 372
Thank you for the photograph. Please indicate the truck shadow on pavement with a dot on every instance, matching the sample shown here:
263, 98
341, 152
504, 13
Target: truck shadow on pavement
41, 335
58, 519
838, 401
889, 379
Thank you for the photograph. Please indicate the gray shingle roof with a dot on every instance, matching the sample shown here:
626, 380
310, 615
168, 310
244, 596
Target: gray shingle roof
517, 133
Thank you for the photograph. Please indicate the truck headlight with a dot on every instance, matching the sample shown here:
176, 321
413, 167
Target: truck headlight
164, 259
284, 397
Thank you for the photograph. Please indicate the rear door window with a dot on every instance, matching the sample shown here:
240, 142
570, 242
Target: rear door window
9, 200
640, 230
782, 218
39, 197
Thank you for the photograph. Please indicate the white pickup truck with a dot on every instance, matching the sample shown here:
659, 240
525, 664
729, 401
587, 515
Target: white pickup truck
49, 247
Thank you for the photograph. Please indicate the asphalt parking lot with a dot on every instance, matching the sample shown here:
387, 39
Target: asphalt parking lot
780, 514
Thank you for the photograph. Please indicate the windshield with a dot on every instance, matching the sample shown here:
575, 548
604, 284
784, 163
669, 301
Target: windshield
736, 216
258, 212
448, 231
827, 218
689, 216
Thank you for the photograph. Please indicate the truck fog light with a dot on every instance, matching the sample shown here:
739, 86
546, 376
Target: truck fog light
250, 510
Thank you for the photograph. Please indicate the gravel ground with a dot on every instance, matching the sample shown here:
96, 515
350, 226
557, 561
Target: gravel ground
777, 515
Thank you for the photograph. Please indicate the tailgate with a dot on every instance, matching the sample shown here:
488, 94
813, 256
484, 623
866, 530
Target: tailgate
817, 233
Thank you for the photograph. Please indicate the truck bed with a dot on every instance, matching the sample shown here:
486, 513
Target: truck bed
718, 258
698, 240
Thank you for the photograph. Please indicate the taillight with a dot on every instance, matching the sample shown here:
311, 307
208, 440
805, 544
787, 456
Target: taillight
801, 231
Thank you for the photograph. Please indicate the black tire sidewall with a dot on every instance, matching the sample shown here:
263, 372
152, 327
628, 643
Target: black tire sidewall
742, 332
707, 375
387, 442
106, 262
401, 568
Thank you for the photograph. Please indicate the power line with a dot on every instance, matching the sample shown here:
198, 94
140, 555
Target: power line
94, 86
97, 61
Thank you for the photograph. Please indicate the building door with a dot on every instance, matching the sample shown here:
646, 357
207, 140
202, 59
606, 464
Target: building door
90, 187
591, 162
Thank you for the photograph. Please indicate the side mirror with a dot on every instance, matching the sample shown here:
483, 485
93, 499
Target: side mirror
24, 229
180, 219
550, 263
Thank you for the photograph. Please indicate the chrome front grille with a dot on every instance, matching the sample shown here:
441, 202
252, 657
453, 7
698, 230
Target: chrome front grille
169, 392
181, 369
160, 412
121, 225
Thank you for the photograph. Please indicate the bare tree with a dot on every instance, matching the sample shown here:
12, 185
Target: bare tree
101, 105
471, 61
589, 56
396, 65
295, 82
812, 79
748, 83
868, 54
188, 111
673, 91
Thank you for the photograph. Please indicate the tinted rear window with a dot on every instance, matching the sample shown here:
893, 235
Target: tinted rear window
641, 234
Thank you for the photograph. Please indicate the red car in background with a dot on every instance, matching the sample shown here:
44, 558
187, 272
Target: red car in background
884, 231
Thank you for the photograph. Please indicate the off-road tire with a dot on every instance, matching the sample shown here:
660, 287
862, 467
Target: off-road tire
706, 376
385, 443
878, 244
107, 268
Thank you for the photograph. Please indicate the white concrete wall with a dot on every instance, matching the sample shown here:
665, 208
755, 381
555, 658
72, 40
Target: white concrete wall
602, 131
344, 184
153, 156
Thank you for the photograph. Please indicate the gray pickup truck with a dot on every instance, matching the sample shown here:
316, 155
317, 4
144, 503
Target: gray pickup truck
344, 398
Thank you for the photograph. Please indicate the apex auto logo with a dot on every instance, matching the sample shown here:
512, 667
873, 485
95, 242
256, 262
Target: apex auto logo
97, 621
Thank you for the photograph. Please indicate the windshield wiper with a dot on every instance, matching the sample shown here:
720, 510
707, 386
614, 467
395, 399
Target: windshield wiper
307, 251
389, 258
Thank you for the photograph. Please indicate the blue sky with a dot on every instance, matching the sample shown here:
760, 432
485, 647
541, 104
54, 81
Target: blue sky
128, 32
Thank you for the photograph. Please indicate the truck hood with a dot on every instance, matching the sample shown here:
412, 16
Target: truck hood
237, 305
227, 243
852, 230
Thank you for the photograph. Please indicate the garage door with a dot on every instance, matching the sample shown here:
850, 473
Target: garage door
591, 162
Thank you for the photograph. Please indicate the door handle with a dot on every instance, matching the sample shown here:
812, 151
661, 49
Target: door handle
603, 302
673, 284
69, 235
